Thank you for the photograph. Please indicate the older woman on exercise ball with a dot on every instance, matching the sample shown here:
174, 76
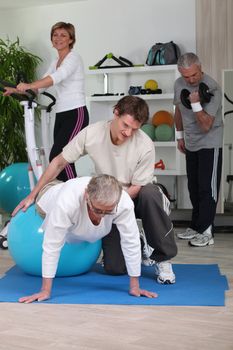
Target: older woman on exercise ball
66, 74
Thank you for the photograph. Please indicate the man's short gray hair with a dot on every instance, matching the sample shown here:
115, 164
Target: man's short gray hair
104, 189
188, 59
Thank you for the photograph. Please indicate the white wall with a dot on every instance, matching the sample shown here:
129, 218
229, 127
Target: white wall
127, 28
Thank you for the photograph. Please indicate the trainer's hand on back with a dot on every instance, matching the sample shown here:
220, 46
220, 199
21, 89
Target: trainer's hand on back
24, 204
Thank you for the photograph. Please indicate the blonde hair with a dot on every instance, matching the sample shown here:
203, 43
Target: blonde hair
68, 27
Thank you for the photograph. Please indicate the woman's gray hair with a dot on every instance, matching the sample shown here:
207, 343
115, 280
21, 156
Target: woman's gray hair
104, 189
188, 59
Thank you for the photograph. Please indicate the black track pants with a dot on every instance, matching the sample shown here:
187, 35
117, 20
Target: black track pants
67, 126
204, 169
151, 207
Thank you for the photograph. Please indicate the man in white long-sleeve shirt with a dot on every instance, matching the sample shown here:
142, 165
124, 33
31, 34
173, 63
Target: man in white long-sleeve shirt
84, 209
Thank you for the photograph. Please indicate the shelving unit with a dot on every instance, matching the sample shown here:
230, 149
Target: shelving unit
117, 81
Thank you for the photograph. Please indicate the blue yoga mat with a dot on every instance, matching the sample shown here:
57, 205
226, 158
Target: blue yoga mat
196, 285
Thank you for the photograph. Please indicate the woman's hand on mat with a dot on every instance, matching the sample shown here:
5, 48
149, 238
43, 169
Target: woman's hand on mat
137, 292
24, 204
41, 296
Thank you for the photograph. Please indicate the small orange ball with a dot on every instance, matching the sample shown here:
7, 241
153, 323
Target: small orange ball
162, 117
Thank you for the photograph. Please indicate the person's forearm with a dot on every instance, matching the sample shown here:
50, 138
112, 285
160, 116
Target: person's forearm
54, 168
178, 120
133, 191
134, 283
35, 85
204, 120
47, 285
42, 83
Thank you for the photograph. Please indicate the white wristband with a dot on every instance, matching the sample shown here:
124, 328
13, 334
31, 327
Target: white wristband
179, 134
196, 107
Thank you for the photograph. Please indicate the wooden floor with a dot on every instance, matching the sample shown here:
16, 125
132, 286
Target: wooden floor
67, 327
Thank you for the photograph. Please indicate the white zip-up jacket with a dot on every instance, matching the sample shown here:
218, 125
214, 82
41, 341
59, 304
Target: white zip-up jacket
67, 220
68, 80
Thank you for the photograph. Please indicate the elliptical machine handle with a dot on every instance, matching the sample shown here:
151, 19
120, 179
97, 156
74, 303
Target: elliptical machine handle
49, 107
31, 95
28, 95
7, 83
19, 97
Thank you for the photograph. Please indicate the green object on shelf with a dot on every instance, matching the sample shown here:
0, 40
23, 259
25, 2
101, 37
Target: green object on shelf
134, 65
149, 129
121, 62
164, 132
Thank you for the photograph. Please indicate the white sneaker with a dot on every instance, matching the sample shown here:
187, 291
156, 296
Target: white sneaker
188, 234
4, 231
164, 272
3, 236
202, 240
3, 242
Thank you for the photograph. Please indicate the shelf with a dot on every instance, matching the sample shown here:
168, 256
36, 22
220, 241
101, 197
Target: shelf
125, 70
117, 97
172, 172
165, 144
104, 98
118, 80
165, 172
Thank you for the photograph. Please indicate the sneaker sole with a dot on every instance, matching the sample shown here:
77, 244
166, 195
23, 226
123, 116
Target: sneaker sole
211, 242
189, 237
166, 281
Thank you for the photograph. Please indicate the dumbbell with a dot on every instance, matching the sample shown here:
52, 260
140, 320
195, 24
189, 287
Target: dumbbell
204, 92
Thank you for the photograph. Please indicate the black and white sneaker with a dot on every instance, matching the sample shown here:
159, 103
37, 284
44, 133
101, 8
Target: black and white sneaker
3, 236
203, 239
164, 273
189, 233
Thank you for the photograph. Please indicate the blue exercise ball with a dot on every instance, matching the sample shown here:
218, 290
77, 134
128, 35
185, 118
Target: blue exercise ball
25, 238
14, 186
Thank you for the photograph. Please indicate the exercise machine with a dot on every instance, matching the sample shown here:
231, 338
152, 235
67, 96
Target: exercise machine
38, 157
